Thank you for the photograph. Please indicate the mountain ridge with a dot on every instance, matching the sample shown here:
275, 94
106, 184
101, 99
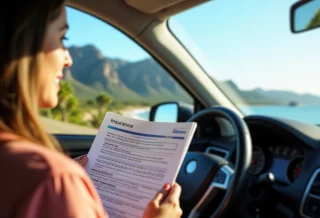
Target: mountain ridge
92, 73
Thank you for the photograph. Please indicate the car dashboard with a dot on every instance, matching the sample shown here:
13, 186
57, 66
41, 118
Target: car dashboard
285, 149
285, 162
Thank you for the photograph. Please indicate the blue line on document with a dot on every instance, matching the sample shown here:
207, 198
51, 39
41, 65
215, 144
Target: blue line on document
143, 134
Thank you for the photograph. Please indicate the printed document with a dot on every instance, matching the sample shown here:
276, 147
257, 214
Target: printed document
130, 160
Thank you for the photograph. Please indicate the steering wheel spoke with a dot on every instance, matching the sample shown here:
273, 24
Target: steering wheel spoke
220, 182
223, 178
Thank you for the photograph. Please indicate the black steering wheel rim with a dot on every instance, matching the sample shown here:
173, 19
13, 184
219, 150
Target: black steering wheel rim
243, 154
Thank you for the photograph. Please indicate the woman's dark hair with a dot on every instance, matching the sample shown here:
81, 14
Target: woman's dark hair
23, 27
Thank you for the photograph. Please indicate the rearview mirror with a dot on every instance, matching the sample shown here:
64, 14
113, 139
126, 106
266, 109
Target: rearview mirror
305, 15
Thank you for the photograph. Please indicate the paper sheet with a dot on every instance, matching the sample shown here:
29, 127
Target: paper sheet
130, 160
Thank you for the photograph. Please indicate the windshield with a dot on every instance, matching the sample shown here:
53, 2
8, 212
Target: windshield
248, 49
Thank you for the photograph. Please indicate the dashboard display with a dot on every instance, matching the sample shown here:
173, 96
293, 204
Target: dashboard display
284, 152
287, 163
258, 161
284, 162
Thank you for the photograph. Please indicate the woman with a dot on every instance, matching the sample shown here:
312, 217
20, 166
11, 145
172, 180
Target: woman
38, 180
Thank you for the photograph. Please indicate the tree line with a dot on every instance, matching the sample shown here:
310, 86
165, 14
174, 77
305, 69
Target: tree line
70, 109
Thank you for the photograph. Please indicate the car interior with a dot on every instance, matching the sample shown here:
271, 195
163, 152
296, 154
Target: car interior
248, 166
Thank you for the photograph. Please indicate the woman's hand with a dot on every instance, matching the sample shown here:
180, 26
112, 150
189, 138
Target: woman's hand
165, 204
82, 160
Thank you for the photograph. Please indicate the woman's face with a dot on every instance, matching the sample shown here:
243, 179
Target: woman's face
55, 58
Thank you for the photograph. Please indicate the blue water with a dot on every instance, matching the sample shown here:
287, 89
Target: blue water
144, 115
305, 113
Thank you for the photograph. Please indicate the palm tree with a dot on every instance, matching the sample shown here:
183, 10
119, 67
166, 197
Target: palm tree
103, 100
72, 104
65, 93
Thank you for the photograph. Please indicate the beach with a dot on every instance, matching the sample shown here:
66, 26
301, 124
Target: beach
135, 112
59, 127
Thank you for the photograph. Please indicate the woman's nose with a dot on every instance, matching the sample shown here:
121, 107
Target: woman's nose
68, 59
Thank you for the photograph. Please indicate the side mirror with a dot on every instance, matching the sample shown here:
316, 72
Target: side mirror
170, 112
305, 15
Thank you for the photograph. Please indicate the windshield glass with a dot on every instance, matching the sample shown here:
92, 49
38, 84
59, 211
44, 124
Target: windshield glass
248, 49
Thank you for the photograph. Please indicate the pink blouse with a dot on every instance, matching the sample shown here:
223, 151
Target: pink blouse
37, 182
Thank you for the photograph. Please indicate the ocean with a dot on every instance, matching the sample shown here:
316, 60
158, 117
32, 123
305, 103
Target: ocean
304, 113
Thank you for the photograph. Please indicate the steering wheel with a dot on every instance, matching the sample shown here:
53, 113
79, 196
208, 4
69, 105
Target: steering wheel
204, 177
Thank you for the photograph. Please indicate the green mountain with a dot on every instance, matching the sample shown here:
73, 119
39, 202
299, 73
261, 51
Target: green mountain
82, 91
146, 80
260, 96
150, 80
245, 96
90, 68
285, 97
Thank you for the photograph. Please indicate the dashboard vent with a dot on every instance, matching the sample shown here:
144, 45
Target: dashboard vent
310, 206
315, 188
218, 151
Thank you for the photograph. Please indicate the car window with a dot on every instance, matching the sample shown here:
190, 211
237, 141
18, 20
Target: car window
110, 72
249, 51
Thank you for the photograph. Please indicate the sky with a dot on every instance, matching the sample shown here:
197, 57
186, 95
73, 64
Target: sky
247, 41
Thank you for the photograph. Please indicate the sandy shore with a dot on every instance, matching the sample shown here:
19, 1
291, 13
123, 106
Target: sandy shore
133, 112
59, 127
